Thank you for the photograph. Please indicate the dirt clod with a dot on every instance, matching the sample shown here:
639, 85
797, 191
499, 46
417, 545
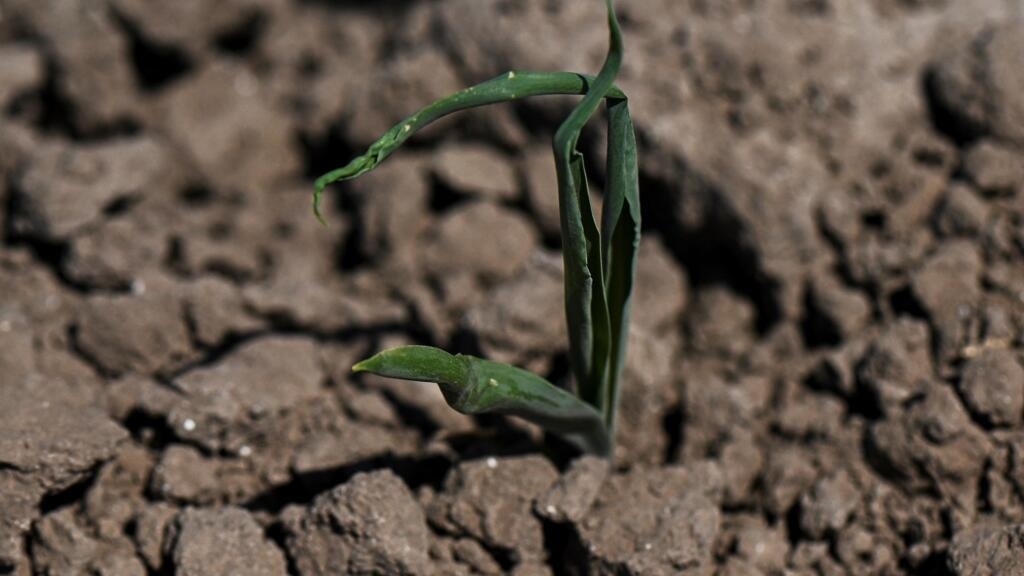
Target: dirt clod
896, 364
994, 168
226, 126
223, 541
480, 238
932, 444
47, 444
477, 170
979, 84
961, 212
621, 536
763, 547
225, 406
139, 333
67, 188
827, 505
522, 321
661, 288
64, 546
492, 501
21, 71
90, 59
992, 387
370, 525
571, 497
986, 550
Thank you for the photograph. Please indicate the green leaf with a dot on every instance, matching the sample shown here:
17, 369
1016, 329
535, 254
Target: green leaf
620, 234
476, 386
510, 86
586, 308
594, 330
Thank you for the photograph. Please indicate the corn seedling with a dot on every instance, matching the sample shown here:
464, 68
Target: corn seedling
599, 263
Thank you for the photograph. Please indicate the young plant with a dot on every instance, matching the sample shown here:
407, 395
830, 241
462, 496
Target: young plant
600, 263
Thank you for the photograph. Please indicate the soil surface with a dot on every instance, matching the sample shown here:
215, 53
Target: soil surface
826, 372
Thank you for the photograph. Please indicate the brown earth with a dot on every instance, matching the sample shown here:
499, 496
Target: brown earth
826, 372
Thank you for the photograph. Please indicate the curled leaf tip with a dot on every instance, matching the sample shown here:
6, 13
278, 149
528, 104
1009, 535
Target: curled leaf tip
316, 205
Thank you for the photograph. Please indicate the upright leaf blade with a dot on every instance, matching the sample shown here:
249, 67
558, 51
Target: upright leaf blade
475, 386
580, 248
620, 242
578, 278
598, 332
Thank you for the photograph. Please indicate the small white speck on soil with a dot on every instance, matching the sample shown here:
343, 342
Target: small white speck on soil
188, 425
492, 463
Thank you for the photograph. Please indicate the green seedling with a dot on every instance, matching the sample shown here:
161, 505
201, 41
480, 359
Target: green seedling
600, 263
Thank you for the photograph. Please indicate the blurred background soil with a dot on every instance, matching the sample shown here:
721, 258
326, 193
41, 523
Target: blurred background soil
825, 372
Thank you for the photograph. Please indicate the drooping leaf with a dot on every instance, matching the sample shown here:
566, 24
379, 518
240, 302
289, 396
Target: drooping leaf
476, 386
510, 86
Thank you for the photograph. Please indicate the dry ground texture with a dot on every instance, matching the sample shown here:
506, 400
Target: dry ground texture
826, 369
